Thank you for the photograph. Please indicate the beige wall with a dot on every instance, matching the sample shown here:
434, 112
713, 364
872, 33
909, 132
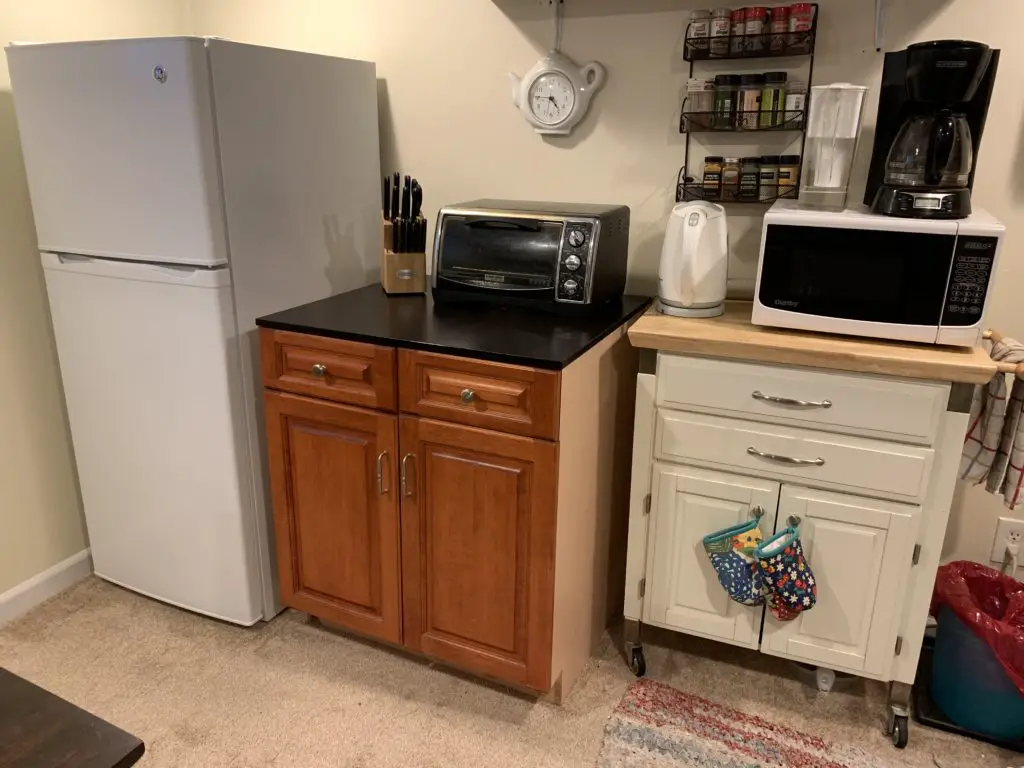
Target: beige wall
40, 512
449, 119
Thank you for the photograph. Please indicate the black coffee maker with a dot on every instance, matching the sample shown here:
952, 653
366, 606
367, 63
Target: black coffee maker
931, 112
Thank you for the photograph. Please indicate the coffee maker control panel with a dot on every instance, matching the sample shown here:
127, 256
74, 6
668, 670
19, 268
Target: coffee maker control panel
969, 280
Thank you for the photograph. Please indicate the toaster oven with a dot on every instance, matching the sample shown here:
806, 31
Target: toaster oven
509, 251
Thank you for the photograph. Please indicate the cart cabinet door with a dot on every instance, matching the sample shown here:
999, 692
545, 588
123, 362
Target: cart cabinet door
683, 588
860, 552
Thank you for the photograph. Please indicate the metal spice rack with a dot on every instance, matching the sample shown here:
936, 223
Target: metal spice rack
697, 49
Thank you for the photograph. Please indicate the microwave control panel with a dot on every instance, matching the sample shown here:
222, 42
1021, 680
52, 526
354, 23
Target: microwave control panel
574, 261
970, 278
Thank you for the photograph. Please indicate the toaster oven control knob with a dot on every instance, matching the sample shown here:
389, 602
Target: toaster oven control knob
572, 262
571, 286
577, 237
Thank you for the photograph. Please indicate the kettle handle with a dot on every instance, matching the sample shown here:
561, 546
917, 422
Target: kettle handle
940, 147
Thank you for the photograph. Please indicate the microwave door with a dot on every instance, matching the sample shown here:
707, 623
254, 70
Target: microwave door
885, 284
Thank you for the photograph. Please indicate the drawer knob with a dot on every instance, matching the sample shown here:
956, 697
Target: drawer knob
759, 395
468, 395
780, 459
320, 370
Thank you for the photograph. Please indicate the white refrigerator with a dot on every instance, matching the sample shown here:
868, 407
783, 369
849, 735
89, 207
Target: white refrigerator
181, 188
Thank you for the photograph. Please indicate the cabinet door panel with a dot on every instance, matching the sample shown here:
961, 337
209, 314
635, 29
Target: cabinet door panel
336, 524
859, 551
478, 529
685, 594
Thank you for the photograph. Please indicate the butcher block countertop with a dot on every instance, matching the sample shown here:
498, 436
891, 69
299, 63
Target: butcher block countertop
732, 336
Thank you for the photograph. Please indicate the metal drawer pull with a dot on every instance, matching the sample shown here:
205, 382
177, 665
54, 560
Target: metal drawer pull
818, 462
405, 485
380, 473
319, 369
794, 521
757, 512
759, 395
468, 395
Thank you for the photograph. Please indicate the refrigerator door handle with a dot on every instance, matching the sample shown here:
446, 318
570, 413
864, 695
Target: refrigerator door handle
177, 274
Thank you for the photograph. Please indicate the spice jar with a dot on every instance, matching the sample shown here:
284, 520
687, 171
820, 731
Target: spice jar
725, 101
698, 34
768, 189
801, 21
779, 26
750, 178
712, 181
773, 99
699, 105
789, 175
748, 102
796, 102
720, 28
756, 18
730, 178
737, 27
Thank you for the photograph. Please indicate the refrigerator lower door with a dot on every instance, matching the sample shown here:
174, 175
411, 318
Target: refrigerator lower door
149, 359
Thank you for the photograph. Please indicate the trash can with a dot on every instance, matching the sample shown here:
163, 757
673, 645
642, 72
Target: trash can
979, 650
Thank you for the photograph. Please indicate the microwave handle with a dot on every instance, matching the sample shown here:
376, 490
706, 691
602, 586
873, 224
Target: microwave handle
528, 225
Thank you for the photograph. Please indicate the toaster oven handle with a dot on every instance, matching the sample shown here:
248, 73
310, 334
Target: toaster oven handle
528, 225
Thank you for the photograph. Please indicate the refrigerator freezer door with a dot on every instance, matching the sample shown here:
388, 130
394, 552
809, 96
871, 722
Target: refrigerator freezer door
120, 148
152, 380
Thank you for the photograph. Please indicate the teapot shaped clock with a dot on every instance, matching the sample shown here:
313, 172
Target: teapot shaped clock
555, 94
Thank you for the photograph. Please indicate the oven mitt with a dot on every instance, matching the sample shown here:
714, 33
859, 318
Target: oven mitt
731, 552
787, 575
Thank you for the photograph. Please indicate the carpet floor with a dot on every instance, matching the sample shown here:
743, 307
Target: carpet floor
290, 693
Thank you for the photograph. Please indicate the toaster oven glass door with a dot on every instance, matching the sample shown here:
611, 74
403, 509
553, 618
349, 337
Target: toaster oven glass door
509, 254
856, 274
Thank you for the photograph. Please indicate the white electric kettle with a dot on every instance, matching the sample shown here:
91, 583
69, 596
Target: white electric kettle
694, 261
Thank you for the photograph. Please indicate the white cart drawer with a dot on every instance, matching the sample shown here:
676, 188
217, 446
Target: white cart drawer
854, 464
859, 404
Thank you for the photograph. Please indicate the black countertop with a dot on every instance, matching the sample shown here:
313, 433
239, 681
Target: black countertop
516, 335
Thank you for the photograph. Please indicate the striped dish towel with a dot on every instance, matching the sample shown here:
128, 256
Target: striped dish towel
994, 446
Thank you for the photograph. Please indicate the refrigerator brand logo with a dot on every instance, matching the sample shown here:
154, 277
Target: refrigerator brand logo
785, 303
950, 64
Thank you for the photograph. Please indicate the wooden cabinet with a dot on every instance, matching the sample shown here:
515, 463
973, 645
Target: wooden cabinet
478, 533
687, 504
336, 512
450, 520
860, 550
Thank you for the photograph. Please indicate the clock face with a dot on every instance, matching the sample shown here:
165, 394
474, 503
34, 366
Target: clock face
552, 98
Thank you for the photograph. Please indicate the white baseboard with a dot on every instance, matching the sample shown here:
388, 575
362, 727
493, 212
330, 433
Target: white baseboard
23, 597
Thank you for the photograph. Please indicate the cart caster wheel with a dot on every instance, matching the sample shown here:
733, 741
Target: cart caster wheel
637, 665
900, 732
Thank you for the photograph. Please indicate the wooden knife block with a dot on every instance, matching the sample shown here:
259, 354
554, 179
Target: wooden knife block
400, 272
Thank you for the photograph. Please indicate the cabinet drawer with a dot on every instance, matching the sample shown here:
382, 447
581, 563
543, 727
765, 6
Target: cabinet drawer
333, 369
856, 464
860, 404
507, 398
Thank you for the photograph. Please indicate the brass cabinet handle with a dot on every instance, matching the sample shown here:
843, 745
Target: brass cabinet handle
785, 459
319, 369
759, 395
405, 482
380, 473
468, 395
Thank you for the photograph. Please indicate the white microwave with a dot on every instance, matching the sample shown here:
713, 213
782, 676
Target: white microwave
858, 273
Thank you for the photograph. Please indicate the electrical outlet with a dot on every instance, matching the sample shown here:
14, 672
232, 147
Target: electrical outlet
1008, 531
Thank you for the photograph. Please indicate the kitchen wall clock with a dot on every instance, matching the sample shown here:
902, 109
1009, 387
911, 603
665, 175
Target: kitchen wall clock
555, 94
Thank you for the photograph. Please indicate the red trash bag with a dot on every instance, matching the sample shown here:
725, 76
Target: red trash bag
991, 605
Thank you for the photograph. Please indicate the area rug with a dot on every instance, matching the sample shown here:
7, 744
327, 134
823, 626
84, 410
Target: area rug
657, 725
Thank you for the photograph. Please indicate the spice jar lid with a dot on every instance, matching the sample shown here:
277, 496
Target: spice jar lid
750, 160
769, 159
756, 12
713, 159
751, 79
727, 79
780, 11
801, 8
775, 77
732, 161
720, 12
789, 159
700, 15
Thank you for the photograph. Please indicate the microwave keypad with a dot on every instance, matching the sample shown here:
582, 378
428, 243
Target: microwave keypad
968, 287
572, 269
